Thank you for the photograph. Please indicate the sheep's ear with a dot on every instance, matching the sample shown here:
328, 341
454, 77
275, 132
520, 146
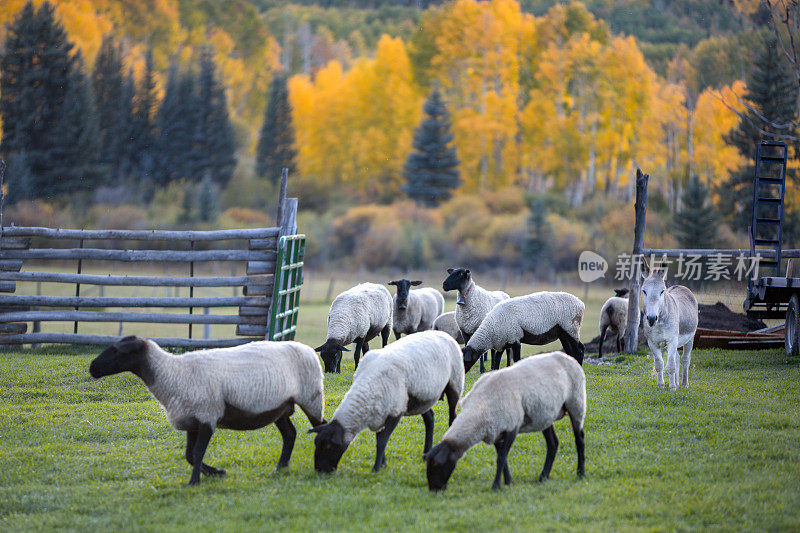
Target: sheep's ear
129, 344
319, 348
449, 270
342, 348
620, 292
317, 429
392, 283
415, 283
466, 272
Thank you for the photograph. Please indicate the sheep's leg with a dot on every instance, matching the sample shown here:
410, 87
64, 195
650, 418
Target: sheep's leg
572, 346
686, 359
427, 419
357, 353
552, 446
382, 438
619, 342
503, 445
385, 332
339, 363
577, 430
482, 359
516, 349
452, 401
602, 338
191, 439
495, 363
289, 433
509, 355
204, 433
397, 335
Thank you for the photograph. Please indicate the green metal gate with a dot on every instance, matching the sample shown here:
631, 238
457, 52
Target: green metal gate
286, 292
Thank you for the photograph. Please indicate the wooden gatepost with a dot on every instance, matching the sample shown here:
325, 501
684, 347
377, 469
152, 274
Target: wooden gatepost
259, 310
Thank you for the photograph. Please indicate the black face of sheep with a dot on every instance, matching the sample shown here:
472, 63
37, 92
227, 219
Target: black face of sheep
457, 279
471, 356
620, 292
125, 355
331, 353
403, 286
441, 463
329, 446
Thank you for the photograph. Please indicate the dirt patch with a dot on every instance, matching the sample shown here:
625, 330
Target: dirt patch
717, 316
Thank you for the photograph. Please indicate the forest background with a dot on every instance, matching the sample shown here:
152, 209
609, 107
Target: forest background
181, 112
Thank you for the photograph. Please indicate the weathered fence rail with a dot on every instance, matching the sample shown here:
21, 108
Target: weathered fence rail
262, 251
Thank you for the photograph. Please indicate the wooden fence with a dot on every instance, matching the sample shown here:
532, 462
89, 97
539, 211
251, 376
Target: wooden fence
179, 249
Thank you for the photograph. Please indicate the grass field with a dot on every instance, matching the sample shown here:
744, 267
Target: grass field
82, 454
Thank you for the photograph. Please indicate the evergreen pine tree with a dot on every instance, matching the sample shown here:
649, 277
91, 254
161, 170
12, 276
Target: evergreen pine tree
143, 126
537, 250
215, 138
207, 205
114, 113
178, 150
431, 170
37, 72
772, 91
19, 178
696, 223
276, 139
188, 213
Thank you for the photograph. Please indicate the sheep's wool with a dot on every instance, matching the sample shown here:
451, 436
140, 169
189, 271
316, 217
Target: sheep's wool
447, 323
424, 305
405, 378
359, 312
254, 377
477, 304
614, 314
526, 397
535, 314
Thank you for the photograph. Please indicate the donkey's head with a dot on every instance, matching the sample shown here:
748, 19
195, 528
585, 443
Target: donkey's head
653, 289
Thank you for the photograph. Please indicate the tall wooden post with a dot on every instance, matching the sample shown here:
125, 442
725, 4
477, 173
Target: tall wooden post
631, 339
282, 194
2, 194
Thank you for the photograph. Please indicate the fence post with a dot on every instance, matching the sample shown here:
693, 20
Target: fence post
282, 194
2, 193
632, 327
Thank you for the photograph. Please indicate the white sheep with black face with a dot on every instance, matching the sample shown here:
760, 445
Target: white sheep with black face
473, 304
524, 398
414, 310
671, 318
357, 315
538, 318
613, 315
405, 378
242, 388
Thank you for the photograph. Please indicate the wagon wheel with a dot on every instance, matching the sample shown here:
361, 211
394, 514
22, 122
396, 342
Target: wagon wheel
792, 341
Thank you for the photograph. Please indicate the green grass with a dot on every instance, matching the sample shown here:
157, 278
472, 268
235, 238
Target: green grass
82, 454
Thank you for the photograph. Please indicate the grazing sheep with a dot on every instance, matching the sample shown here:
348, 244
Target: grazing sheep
614, 314
671, 323
357, 315
524, 398
404, 379
242, 388
473, 304
447, 322
415, 310
537, 318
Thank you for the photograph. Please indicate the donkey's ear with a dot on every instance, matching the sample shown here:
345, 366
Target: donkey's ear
645, 268
662, 270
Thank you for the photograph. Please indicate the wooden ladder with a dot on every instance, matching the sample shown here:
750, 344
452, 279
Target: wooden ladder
769, 187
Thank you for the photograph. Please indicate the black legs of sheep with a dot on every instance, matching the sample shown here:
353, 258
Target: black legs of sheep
382, 438
196, 445
503, 446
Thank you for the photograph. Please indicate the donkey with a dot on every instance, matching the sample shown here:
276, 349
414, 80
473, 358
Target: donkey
670, 323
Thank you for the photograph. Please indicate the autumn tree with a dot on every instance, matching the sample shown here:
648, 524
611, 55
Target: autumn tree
276, 140
46, 105
431, 170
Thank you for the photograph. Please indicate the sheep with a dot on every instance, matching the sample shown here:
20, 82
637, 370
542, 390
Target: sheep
613, 314
473, 304
415, 310
671, 323
447, 322
242, 388
524, 398
405, 378
356, 315
537, 318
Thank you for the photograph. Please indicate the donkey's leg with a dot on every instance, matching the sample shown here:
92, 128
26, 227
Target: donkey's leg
672, 365
658, 362
686, 359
